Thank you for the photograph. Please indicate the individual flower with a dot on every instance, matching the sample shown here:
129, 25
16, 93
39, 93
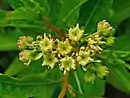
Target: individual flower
67, 63
25, 56
76, 33
83, 57
46, 43
104, 28
49, 59
64, 47
102, 71
24, 42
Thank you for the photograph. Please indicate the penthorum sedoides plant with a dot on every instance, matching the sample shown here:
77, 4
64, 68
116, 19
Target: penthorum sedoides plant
75, 49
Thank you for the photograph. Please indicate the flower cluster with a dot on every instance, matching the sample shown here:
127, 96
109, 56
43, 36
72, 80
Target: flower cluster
75, 50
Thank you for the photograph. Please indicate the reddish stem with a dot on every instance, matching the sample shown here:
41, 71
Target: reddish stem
65, 86
53, 28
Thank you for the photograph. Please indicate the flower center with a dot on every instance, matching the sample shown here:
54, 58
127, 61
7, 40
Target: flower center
67, 63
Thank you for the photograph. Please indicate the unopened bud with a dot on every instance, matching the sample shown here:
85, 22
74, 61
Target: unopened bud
110, 41
25, 56
104, 28
89, 77
102, 71
24, 42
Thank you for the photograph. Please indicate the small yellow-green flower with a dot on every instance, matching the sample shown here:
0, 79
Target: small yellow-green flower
83, 57
102, 71
67, 63
46, 43
76, 33
49, 59
64, 47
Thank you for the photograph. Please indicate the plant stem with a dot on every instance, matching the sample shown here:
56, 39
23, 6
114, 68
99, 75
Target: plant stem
78, 82
65, 85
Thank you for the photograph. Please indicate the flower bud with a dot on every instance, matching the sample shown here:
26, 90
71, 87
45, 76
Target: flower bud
102, 71
89, 77
25, 57
110, 41
104, 28
24, 42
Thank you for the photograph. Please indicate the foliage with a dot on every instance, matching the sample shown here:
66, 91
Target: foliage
37, 17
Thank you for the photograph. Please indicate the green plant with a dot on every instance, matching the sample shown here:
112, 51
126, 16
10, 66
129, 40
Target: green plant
76, 62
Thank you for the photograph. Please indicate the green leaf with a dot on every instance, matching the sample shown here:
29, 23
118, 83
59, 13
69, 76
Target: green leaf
15, 67
123, 55
97, 88
119, 12
92, 12
2, 15
39, 6
16, 3
121, 47
34, 68
65, 11
26, 24
119, 76
44, 5
8, 42
23, 13
38, 86
122, 43
69, 11
55, 6
92, 90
